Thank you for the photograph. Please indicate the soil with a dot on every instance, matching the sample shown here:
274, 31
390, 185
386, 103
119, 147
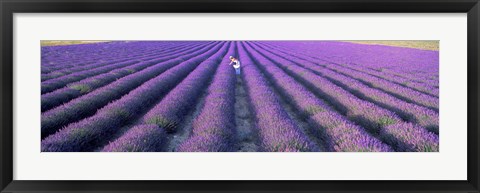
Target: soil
299, 120
185, 128
246, 134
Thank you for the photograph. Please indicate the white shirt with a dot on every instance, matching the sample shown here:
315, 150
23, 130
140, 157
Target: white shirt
237, 64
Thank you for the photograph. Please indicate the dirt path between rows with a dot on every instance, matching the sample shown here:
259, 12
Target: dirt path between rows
185, 128
300, 121
246, 134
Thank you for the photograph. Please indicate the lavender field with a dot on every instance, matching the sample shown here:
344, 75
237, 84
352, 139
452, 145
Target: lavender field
185, 96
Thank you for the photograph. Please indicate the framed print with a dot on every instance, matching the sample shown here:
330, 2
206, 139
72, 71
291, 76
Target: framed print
258, 96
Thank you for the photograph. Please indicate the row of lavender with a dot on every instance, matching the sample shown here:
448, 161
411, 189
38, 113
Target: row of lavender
279, 132
399, 90
56, 58
378, 122
173, 108
376, 90
57, 79
89, 101
345, 111
84, 85
99, 128
399, 63
102, 54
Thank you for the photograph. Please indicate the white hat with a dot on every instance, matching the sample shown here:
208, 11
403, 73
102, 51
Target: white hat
231, 57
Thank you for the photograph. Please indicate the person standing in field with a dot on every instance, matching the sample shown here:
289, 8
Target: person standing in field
236, 64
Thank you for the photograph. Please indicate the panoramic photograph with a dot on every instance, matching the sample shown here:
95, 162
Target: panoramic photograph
239, 96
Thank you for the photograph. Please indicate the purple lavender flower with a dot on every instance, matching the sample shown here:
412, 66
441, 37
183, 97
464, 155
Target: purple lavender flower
88, 133
408, 111
410, 137
76, 89
88, 104
213, 129
144, 138
278, 131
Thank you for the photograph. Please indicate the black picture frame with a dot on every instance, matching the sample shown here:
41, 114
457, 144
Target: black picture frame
9, 7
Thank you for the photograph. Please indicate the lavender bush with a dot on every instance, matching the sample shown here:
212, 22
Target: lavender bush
76, 89
145, 138
88, 104
214, 129
291, 96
